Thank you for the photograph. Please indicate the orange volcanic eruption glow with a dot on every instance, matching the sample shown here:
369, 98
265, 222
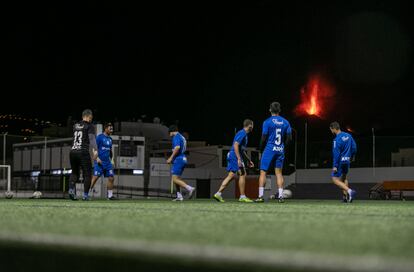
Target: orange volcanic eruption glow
316, 97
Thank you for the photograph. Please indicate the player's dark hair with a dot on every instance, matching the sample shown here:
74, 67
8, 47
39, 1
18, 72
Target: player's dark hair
247, 122
173, 128
275, 107
86, 112
335, 125
108, 125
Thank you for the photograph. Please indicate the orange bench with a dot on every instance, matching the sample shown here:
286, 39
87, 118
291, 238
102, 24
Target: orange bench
398, 185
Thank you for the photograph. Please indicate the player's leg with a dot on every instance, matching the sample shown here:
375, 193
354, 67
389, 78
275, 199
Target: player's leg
110, 188
242, 185
345, 193
339, 178
262, 183
109, 173
178, 181
351, 192
232, 168
217, 196
279, 176
97, 172
280, 183
338, 182
93, 181
178, 192
265, 162
74, 176
177, 171
86, 166
226, 181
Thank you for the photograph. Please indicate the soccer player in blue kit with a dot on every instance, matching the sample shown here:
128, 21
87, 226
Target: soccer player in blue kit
179, 161
344, 150
235, 162
103, 164
276, 135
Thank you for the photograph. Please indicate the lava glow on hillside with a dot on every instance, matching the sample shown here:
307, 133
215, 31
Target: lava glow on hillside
317, 97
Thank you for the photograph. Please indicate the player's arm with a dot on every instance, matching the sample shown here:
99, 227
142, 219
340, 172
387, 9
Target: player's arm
98, 146
263, 140
174, 154
93, 146
288, 138
111, 156
247, 158
236, 147
336, 156
353, 149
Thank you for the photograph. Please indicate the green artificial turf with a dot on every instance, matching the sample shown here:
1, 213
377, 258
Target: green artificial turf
363, 228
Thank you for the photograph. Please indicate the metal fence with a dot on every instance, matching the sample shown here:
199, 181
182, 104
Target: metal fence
381, 151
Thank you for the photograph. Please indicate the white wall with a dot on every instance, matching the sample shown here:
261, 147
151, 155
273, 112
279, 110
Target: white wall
357, 175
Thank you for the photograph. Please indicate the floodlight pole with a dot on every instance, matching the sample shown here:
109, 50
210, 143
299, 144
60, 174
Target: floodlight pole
306, 144
296, 145
8, 178
4, 151
373, 152
296, 150
44, 157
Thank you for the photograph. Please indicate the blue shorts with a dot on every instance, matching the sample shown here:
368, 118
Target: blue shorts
178, 166
342, 171
105, 168
232, 164
271, 159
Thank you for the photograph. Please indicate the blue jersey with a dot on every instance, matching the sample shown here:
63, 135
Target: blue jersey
275, 128
104, 144
179, 140
344, 148
241, 138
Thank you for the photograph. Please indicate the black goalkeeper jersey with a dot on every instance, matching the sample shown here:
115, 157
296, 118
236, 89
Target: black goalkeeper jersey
81, 131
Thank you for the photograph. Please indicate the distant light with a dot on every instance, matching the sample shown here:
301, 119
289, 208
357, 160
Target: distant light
138, 172
69, 171
350, 129
56, 172
35, 173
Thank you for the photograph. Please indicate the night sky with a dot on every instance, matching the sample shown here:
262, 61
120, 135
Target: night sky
210, 65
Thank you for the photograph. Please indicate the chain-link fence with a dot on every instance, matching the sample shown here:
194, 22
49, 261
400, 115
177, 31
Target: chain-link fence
7, 141
6, 152
379, 151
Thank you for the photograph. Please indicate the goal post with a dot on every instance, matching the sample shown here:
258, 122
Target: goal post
6, 177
